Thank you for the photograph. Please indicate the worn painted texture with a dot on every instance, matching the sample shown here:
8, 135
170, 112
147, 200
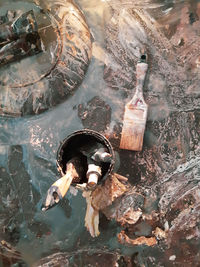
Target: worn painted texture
165, 174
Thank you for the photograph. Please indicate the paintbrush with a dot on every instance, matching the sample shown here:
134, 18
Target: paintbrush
74, 173
135, 114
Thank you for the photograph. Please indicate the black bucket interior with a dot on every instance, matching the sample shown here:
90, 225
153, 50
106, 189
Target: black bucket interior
69, 148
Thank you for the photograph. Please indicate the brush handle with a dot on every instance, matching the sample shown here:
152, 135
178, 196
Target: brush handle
138, 99
141, 70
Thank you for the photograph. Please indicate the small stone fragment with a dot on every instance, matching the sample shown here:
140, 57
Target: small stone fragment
172, 257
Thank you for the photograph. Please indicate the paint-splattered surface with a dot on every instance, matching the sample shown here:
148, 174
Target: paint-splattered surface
46, 65
166, 173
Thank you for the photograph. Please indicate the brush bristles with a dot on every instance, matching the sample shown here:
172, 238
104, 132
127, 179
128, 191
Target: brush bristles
133, 129
130, 139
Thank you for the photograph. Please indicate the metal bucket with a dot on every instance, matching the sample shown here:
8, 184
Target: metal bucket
72, 142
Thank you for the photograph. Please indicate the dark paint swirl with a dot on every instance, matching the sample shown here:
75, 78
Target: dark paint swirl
38, 83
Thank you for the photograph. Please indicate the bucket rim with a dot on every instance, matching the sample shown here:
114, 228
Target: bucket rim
93, 133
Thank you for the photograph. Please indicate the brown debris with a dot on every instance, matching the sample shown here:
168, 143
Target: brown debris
152, 218
159, 233
104, 195
130, 217
121, 177
142, 240
117, 188
8, 254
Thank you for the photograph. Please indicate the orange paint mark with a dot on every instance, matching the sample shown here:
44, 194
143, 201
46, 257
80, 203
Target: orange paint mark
73, 51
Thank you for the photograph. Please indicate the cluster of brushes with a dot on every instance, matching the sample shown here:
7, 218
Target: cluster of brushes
96, 154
